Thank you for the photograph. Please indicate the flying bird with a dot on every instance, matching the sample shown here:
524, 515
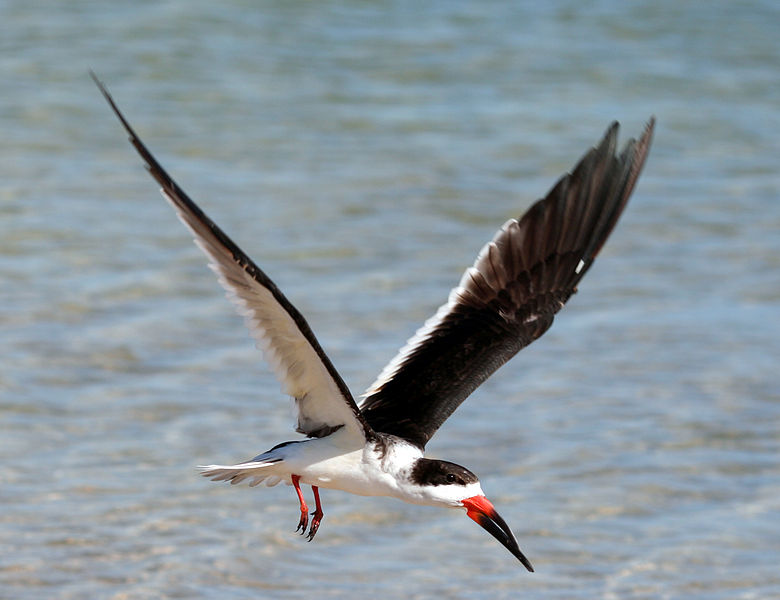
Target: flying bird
375, 446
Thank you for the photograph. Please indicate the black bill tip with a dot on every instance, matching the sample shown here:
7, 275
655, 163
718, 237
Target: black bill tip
482, 512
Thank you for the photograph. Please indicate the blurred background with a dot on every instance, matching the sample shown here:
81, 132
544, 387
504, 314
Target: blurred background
362, 153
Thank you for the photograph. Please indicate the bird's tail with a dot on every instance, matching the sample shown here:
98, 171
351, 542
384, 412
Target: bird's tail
256, 471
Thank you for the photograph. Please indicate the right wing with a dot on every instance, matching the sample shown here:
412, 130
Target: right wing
510, 296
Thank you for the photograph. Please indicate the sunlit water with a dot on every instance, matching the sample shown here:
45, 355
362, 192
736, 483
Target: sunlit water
362, 153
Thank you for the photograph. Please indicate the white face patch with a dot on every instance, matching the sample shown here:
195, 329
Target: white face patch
450, 495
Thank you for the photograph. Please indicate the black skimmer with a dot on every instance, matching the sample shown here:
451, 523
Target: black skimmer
505, 301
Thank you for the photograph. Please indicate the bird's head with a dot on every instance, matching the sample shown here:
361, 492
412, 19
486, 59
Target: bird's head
442, 483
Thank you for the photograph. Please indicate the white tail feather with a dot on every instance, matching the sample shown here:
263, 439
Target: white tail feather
255, 472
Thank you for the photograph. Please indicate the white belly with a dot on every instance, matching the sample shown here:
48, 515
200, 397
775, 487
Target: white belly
326, 463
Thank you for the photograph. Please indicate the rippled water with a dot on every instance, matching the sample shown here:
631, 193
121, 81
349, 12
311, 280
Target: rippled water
362, 153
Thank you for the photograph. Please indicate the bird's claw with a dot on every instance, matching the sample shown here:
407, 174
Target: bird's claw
315, 524
303, 523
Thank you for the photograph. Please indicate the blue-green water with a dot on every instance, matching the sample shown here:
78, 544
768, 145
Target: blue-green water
362, 153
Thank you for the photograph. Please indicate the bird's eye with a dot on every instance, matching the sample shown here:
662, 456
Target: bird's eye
451, 477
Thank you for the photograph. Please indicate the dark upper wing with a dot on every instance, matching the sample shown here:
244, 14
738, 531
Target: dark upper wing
322, 399
509, 297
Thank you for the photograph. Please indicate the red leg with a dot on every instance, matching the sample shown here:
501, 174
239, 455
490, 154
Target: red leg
304, 509
318, 514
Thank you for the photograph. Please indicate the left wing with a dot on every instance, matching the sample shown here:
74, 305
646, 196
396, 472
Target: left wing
509, 297
322, 399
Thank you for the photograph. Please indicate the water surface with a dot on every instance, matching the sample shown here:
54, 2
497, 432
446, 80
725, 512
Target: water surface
362, 153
